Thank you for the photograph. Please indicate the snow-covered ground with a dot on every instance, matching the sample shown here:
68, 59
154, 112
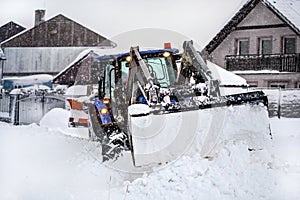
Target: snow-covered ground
286, 151
42, 162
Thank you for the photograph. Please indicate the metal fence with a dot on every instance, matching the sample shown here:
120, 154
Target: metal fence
28, 108
283, 102
5, 107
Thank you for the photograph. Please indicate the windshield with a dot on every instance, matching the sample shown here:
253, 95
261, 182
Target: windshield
160, 68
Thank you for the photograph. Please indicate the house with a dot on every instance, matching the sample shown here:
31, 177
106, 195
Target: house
10, 29
78, 70
261, 43
6, 31
49, 46
83, 70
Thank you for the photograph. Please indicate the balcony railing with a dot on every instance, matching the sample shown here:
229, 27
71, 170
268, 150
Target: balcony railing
278, 62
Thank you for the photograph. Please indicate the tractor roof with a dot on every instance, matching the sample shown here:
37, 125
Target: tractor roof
142, 53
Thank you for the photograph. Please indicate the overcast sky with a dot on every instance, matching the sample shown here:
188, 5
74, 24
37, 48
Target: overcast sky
199, 20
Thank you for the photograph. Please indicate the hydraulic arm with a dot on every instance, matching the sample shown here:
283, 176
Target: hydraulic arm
192, 60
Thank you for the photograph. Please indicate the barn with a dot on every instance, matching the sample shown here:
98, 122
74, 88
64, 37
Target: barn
49, 46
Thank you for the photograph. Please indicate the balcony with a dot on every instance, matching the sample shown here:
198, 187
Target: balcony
278, 62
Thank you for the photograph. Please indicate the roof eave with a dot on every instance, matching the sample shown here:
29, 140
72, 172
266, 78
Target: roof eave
238, 17
230, 26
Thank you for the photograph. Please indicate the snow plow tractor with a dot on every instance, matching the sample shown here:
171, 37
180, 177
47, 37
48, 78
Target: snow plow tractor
152, 104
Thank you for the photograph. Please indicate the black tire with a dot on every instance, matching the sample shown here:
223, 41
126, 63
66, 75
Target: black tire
112, 139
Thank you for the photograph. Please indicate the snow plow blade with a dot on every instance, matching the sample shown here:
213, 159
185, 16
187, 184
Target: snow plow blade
158, 138
255, 97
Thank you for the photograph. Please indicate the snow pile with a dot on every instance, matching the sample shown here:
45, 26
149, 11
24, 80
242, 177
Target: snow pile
39, 162
4, 124
238, 164
57, 120
76, 90
235, 174
138, 109
219, 126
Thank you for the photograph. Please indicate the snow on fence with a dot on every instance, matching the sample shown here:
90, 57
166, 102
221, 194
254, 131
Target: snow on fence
28, 108
283, 102
4, 107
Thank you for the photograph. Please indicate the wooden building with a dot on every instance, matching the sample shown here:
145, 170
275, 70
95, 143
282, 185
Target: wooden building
77, 71
49, 46
261, 43
10, 29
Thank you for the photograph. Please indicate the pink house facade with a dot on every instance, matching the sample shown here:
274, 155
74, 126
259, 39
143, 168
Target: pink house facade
261, 43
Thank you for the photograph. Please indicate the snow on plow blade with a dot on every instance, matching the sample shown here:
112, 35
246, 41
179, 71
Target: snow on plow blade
158, 139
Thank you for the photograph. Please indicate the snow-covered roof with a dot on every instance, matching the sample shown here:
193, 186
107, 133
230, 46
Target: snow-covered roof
10, 29
226, 77
80, 57
32, 79
62, 24
2, 55
289, 9
83, 55
86, 52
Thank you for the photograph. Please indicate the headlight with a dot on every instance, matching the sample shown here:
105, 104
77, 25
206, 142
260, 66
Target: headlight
106, 100
166, 54
128, 58
104, 111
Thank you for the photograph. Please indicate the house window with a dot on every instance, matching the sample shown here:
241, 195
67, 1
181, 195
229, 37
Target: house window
253, 84
265, 45
242, 46
278, 84
289, 44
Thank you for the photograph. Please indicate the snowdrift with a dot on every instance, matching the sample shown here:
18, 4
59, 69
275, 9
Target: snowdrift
41, 162
159, 139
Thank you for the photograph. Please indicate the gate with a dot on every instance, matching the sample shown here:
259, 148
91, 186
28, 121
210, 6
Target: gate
5, 105
31, 108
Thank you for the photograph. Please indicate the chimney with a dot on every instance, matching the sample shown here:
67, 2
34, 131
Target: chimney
39, 17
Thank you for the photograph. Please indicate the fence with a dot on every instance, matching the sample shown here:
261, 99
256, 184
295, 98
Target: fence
283, 102
5, 105
28, 108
